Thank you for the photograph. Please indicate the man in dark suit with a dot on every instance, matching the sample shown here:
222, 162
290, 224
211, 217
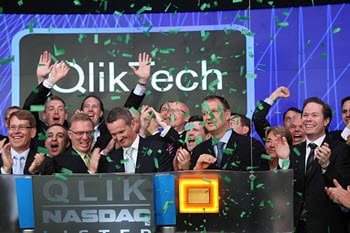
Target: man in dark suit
93, 106
316, 162
136, 154
226, 149
344, 135
260, 114
20, 155
77, 157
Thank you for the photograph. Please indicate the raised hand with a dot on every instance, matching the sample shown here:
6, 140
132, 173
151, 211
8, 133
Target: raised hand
44, 66
144, 70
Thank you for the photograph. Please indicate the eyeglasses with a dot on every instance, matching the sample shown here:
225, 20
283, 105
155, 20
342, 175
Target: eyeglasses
81, 133
19, 127
171, 110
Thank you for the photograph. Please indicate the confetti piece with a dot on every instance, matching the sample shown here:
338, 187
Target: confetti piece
127, 55
143, 9
156, 163
296, 151
108, 158
282, 24
237, 1
336, 30
77, 2
267, 157
95, 38
20, 3
30, 27
37, 108
285, 163
41, 136
323, 55
66, 171
166, 205
107, 42
1, 10
115, 97
118, 13
58, 52
60, 176
205, 35
167, 8
253, 76
7, 60
42, 150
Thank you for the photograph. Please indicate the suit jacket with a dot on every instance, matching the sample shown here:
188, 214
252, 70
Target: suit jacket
336, 134
259, 119
45, 169
237, 156
151, 157
322, 213
70, 160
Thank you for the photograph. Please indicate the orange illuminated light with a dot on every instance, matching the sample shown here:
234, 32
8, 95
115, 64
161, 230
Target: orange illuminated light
198, 195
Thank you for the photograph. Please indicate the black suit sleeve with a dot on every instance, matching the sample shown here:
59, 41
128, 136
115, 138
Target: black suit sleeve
259, 119
134, 100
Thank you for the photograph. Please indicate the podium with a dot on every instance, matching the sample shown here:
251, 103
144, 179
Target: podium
187, 201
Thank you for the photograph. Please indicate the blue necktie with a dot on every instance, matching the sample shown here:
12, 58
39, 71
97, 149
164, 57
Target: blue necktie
18, 165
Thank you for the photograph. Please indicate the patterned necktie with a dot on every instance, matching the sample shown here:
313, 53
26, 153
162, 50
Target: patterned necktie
86, 158
220, 154
129, 164
18, 164
310, 160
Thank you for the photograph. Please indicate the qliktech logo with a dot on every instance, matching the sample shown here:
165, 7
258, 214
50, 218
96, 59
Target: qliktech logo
186, 65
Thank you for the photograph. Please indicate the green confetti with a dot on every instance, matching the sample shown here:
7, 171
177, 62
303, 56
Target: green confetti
108, 158
237, 1
115, 97
323, 55
66, 171
247, 32
282, 24
42, 150
127, 55
60, 176
7, 60
253, 76
1, 10
286, 13
58, 52
77, 2
37, 108
156, 163
20, 3
167, 8
336, 30
95, 38
308, 43
143, 9
267, 157
107, 42
189, 127
41, 136
259, 186
166, 205
285, 163
243, 214
30, 27
227, 179
205, 35
118, 13
296, 151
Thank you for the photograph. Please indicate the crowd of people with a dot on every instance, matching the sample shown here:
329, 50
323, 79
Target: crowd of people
137, 138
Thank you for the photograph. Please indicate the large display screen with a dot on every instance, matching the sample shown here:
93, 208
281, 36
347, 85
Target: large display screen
242, 55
